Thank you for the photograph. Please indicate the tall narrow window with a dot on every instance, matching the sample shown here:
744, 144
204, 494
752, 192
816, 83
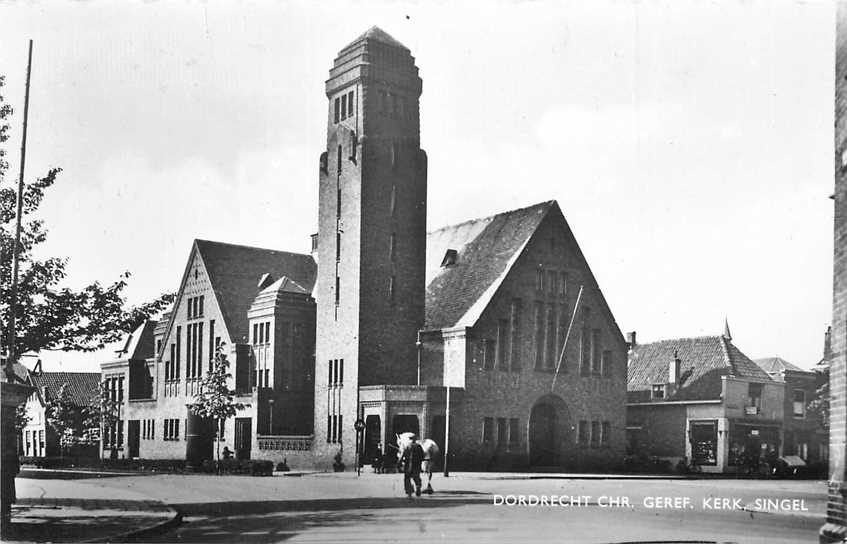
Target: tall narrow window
605, 431
514, 322
551, 281
170, 375
539, 279
211, 343
539, 335
585, 343
337, 290
514, 434
391, 289
337, 246
201, 305
341, 375
502, 345
392, 241
343, 107
393, 203
502, 433
488, 429
337, 109
551, 336
487, 354
350, 102
582, 432
178, 347
199, 349
563, 283
595, 434
338, 162
329, 373
595, 351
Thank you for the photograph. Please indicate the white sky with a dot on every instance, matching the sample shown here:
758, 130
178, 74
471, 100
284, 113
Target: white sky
689, 144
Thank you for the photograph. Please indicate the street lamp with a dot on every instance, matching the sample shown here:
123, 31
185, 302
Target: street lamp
271, 416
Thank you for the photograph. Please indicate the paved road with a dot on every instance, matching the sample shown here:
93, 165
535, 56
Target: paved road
334, 508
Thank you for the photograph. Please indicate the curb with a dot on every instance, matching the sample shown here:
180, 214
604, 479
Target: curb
135, 534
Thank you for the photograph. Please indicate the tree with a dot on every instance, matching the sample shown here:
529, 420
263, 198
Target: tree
49, 316
102, 413
22, 419
65, 418
215, 398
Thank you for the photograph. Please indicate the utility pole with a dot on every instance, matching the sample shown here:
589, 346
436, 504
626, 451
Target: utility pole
13, 304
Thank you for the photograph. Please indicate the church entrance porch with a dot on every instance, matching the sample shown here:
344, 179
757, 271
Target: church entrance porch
388, 410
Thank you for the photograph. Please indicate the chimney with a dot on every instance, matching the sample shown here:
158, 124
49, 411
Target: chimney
827, 344
673, 369
630, 340
45, 393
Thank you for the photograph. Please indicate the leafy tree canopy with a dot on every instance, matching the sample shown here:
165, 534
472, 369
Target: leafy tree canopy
50, 316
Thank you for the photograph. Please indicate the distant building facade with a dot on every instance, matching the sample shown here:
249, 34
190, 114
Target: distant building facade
804, 435
39, 439
703, 401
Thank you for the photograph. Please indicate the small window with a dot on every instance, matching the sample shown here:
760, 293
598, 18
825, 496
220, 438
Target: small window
658, 391
799, 403
450, 258
488, 429
595, 434
754, 395
582, 432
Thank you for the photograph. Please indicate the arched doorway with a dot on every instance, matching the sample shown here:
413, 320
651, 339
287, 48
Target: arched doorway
548, 428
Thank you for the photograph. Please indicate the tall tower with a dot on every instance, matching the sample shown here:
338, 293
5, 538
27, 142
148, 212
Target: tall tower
371, 234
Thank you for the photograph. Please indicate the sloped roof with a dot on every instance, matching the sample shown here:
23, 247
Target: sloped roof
486, 249
775, 366
81, 385
234, 272
378, 35
703, 360
268, 297
139, 343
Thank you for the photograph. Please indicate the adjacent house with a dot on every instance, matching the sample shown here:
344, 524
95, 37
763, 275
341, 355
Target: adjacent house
804, 435
39, 438
701, 400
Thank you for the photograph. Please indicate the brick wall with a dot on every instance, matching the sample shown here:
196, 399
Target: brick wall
506, 392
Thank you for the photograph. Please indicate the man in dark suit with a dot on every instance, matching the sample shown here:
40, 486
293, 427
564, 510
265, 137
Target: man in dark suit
411, 459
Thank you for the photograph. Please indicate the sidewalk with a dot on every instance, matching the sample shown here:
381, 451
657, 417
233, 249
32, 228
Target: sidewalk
77, 511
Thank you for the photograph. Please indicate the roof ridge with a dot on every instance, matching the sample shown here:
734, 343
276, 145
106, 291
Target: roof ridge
728, 359
704, 337
243, 246
492, 216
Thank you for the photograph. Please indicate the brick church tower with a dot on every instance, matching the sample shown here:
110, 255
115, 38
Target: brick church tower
371, 242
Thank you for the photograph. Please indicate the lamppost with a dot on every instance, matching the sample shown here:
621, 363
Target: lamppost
271, 416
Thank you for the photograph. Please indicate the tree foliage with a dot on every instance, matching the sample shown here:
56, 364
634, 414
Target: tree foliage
64, 417
102, 412
818, 407
48, 315
215, 400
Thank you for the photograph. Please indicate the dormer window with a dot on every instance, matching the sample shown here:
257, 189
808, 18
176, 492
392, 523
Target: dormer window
450, 258
659, 391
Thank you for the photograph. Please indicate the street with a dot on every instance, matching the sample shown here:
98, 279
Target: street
342, 507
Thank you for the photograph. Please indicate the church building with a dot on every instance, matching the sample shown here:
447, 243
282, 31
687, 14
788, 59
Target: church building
490, 336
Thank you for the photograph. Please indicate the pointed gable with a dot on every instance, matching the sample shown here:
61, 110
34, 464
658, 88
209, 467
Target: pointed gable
235, 271
139, 343
485, 249
703, 361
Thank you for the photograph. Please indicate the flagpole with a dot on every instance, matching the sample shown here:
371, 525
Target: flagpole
13, 304
567, 335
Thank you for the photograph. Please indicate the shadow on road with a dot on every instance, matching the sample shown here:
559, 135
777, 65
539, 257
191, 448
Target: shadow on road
271, 521
69, 474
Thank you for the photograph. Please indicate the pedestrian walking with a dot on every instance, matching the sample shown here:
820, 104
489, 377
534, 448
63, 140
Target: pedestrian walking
412, 458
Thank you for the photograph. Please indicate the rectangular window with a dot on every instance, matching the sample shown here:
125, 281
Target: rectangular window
514, 342
211, 343
337, 290
502, 433
514, 434
595, 351
539, 335
487, 354
199, 349
595, 434
551, 337
169, 368
539, 280
392, 241
350, 108
563, 283
176, 429
391, 289
551, 281
582, 432
488, 429
393, 202
658, 391
255, 333
799, 403
328, 428
329, 374
754, 395
501, 361
178, 347
337, 109
606, 363
585, 344
344, 107
604, 433
338, 246
201, 306
338, 160
341, 375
